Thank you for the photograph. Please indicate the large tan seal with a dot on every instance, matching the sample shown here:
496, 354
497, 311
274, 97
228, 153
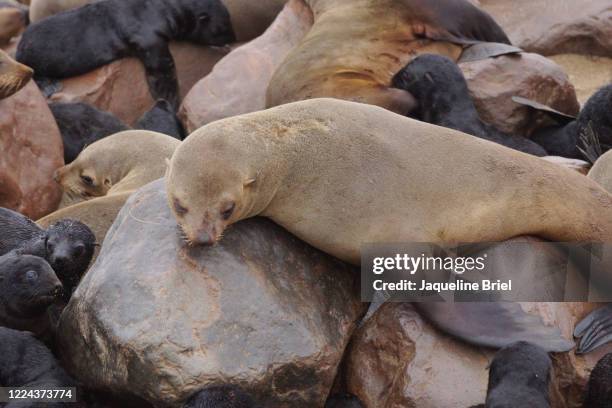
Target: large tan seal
601, 171
339, 174
356, 46
13, 75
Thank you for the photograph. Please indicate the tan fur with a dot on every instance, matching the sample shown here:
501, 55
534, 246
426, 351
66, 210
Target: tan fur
119, 163
12, 22
601, 171
339, 174
13, 75
40, 9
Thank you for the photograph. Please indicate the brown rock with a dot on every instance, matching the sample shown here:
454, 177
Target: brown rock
160, 320
586, 73
238, 83
32, 149
494, 81
551, 27
121, 87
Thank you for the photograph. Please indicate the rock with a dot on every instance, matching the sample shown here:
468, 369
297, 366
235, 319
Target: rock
121, 88
580, 166
238, 83
586, 73
32, 149
551, 27
261, 310
494, 81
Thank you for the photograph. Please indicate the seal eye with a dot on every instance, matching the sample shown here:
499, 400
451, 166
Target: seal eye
203, 18
87, 180
31, 276
227, 213
78, 250
179, 209
50, 246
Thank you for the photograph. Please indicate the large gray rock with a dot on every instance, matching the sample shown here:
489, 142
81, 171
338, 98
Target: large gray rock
160, 320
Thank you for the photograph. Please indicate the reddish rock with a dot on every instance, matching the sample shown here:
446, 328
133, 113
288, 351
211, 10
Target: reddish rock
238, 83
494, 81
32, 149
121, 87
552, 27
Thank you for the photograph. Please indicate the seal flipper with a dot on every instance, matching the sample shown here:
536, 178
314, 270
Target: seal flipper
559, 117
594, 330
493, 324
161, 73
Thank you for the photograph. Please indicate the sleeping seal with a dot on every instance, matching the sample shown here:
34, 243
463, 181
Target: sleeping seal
77, 41
440, 88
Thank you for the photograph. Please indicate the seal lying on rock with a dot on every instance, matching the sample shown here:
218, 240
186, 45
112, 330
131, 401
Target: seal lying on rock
28, 286
82, 124
13, 75
97, 34
67, 245
599, 388
354, 48
27, 362
225, 396
564, 139
519, 376
334, 172
444, 100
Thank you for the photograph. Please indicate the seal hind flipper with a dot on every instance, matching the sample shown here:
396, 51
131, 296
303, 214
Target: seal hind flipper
594, 330
15, 230
161, 73
493, 324
560, 117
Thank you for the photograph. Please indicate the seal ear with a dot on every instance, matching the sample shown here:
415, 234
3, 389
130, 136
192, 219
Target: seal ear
167, 168
107, 182
250, 181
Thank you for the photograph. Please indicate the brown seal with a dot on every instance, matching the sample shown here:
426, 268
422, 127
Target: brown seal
601, 171
13, 75
356, 46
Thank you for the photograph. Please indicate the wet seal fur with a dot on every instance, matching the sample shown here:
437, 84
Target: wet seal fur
358, 161
67, 245
28, 286
82, 124
222, 396
13, 75
442, 93
27, 362
99, 33
519, 376
354, 48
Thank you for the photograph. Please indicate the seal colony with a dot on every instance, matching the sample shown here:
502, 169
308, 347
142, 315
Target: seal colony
139, 28
355, 47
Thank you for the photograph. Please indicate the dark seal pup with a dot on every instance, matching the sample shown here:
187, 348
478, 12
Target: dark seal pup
67, 245
519, 376
82, 124
599, 388
77, 41
564, 139
444, 100
28, 286
221, 396
27, 362
343, 401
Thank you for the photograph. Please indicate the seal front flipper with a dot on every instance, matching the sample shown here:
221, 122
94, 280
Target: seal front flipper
493, 324
161, 73
595, 330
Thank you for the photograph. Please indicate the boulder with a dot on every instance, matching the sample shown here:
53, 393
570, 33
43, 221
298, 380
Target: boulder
121, 88
551, 27
238, 83
158, 319
494, 81
32, 149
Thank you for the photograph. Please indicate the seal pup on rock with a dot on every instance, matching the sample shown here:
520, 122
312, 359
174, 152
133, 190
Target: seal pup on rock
99, 33
67, 245
13, 75
332, 172
443, 99
27, 362
224, 396
28, 286
599, 387
519, 376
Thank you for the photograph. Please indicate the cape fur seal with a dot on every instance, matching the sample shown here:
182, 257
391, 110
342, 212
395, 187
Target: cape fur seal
99, 33
13, 19
442, 92
13, 75
519, 376
334, 173
355, 47
67, 245
599, 387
